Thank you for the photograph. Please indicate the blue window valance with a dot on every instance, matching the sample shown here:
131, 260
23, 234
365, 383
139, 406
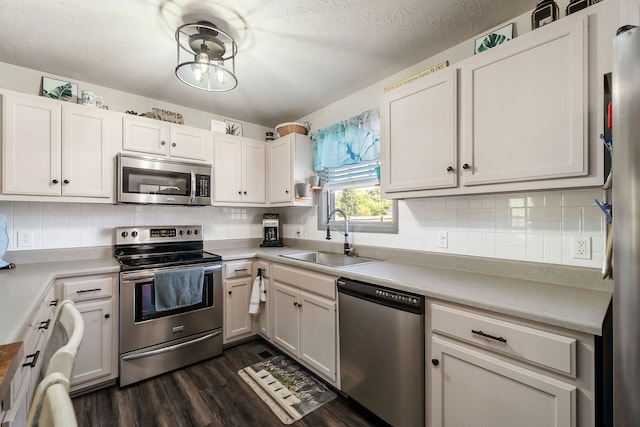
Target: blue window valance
349, 142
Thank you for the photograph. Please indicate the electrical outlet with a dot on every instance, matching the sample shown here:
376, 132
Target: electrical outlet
582, 247
442, 240
25, 238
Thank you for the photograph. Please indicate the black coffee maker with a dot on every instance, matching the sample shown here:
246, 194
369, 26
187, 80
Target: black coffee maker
271, 230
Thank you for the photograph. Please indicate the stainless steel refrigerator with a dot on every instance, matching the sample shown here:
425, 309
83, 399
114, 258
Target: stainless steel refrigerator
626, 223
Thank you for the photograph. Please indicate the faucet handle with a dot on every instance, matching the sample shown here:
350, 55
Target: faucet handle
328, 232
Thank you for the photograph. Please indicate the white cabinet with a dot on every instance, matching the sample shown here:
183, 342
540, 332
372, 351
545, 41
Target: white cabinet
524, 108
238, 323
25, 379
51, 148
506, 371
239, 170
472, 388
304, 318
529, 113
289, 160
95, 297
264, 320
144, 135
419, 127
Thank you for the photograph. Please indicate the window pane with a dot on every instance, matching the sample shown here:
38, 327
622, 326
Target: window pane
364, 205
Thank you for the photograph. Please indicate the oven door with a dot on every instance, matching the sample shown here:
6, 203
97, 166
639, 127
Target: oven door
141, 325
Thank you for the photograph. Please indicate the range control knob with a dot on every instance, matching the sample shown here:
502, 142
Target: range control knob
124, 234
195, 232
181, 232
134, 234
188, 232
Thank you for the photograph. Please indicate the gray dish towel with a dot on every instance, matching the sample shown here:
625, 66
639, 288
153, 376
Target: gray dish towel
178, 288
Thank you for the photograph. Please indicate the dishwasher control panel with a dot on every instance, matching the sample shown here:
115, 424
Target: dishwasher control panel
391, 297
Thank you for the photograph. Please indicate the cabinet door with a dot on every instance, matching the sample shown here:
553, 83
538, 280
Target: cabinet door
524, 108
86, 164
419, 137
227, 167
286, 326
31, 145
472, 388
190, 143
145, 135
280, 181
318, 333
237, 320
254, 163
94, 359
264, 328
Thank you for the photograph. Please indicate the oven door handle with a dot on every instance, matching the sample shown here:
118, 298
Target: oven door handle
192, 197
171, 347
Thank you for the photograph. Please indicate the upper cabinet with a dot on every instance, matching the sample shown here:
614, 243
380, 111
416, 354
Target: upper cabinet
52, 148
238, 171
524, 108
289, 160
419, 127
144, 135
529, 115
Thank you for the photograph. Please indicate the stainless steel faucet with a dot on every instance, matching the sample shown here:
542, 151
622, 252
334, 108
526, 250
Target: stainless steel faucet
347, 246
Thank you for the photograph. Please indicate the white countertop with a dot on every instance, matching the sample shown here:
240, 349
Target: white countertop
22, 288
570, 307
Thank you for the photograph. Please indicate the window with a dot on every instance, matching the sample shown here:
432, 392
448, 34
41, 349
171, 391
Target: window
347, 155
354, 190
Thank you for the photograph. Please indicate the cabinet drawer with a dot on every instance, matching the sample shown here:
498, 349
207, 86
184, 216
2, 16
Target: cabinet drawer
533, 345
317, 283
88, 288
238, 269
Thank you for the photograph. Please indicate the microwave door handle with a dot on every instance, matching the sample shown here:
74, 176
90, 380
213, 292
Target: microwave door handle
192, 198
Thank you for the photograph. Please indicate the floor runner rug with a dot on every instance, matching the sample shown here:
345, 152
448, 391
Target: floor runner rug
289, 390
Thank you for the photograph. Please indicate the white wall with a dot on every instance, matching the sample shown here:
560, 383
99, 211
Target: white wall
538, 226
26, 80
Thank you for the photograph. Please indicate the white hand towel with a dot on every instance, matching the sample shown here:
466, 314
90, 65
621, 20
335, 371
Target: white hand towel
263, 291
254, 302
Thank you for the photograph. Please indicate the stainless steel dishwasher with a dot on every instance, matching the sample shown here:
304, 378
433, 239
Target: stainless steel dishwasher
382, 350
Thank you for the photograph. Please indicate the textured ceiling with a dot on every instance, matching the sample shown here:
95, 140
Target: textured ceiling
295, 56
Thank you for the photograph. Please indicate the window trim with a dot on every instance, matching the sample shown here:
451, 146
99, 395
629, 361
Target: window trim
382, 228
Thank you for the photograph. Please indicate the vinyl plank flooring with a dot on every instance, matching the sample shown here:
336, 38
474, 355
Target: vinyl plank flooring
210, 393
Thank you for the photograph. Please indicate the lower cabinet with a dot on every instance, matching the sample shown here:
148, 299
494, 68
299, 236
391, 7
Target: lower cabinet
26, 378
488, 370
264, 320
95, 297
238, 323
304, 318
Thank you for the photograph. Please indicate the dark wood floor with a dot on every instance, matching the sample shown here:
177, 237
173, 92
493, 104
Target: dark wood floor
210, 393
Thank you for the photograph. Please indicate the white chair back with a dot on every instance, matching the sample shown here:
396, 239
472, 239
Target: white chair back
52, 406
63, 359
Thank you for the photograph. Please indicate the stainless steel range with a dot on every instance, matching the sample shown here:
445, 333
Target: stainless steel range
170, 300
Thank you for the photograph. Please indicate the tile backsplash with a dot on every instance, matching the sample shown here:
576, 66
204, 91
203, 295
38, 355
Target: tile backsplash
538, 226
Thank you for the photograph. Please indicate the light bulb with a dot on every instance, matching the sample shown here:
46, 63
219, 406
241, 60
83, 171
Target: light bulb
201, 67
220, 72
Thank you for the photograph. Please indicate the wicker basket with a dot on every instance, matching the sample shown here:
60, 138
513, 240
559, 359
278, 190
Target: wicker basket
287, 128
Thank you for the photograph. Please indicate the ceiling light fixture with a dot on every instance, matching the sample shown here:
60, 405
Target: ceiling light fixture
206, 57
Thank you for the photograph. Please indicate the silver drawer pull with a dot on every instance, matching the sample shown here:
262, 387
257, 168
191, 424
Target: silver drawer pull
82, 291
493, 337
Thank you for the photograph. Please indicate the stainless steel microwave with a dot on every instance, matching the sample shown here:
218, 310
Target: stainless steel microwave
156, 181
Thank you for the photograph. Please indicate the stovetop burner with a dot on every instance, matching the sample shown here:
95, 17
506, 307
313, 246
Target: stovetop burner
140, 248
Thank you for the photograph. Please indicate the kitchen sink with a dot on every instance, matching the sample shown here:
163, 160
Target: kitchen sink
328, 258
